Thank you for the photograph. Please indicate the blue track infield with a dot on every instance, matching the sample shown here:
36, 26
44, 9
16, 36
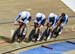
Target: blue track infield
58, 48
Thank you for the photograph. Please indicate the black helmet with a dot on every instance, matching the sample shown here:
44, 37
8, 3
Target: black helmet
62, 14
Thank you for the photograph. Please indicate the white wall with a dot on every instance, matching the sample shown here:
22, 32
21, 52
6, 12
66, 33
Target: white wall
70, 4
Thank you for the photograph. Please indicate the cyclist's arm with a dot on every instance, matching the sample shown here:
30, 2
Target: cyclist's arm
29, 18
58, 20
35, 21
43, 17
48, 19
40, 21
54, 22
16, 20
25, 21
49, 22
18, 17
65, 19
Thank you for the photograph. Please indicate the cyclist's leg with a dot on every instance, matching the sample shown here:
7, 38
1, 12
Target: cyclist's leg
44, 35
60, 30
23, 33
36, 33
54, 29
40, 28
50, 32
33, 32
24, 30
61, 27
40, 32
31, 35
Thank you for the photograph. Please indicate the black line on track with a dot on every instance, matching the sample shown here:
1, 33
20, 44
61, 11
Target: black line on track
47, 47
37, 44
71, 42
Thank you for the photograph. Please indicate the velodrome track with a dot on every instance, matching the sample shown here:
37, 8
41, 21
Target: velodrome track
8, 11
68, 34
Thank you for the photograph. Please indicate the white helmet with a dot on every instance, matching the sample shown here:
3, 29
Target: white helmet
51, 15
38, 15
25, 14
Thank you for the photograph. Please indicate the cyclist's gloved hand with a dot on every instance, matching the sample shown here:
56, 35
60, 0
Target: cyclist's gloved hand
62, 24
15, 22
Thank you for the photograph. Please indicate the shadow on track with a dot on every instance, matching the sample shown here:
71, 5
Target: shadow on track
6, 39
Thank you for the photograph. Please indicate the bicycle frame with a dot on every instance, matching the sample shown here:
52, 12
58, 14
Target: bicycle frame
18, 34
56, 29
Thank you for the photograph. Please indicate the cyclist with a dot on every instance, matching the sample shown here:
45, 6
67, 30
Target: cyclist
24, 17
39, 20
52, 19
62, 21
